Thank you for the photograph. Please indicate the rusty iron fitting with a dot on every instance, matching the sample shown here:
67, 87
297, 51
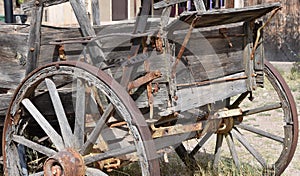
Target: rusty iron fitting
64, 163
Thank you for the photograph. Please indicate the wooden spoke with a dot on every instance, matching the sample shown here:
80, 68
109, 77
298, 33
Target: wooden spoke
232, 149
218, 150
239, 100
60, 113
260, 132
96, 131
33, 145
88, 159
201, 143
79, 115
37, 174
59, 86
53, 135
248, 146
94, 172
262, 109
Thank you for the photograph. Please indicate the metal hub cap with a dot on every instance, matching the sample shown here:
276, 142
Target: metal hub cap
65, 163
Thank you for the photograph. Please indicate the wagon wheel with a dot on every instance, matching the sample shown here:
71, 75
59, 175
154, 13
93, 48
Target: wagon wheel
71, 118
263, 139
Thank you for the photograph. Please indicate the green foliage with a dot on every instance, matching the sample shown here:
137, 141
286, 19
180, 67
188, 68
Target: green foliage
295, 71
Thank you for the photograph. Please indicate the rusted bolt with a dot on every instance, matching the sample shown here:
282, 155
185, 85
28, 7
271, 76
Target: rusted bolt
31, 49
176, 114
175, 98
258, 63
253, 87
65, 162
57, 66
157, 73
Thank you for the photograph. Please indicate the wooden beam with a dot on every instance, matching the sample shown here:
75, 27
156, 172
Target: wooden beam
94, 49
96, 12
46, 3
34, 42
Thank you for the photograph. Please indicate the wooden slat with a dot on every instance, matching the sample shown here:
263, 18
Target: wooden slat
96, 12
198, 96
46, 3
223, 16
199, 4
34, 41
87, 30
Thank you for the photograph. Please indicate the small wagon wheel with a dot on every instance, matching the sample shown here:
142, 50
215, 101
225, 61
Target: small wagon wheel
103, 131
264, 137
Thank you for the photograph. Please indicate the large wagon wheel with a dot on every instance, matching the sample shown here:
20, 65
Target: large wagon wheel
44, 134
264, 138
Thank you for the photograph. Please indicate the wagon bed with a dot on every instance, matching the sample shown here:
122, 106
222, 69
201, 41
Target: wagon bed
161, 85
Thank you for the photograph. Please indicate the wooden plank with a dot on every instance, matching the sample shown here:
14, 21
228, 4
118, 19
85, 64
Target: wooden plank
189, 98
229, 58
96, 12
86, 28
199, 5
34, 41
46, 3
248, 60
223, 16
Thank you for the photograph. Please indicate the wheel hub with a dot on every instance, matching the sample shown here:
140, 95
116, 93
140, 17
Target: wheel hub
64, 163
226, 125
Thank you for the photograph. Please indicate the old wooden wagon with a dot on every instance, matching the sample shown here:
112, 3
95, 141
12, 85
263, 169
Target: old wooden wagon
118, 97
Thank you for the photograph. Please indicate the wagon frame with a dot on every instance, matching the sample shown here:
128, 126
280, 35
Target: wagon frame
177, 96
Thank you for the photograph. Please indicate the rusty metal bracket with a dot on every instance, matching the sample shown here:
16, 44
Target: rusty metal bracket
224, 32
259, 31
176, 129
144, 79
62, 41
183, 46
210, 125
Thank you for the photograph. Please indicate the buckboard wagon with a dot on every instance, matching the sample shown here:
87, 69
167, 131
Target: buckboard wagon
97, 100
